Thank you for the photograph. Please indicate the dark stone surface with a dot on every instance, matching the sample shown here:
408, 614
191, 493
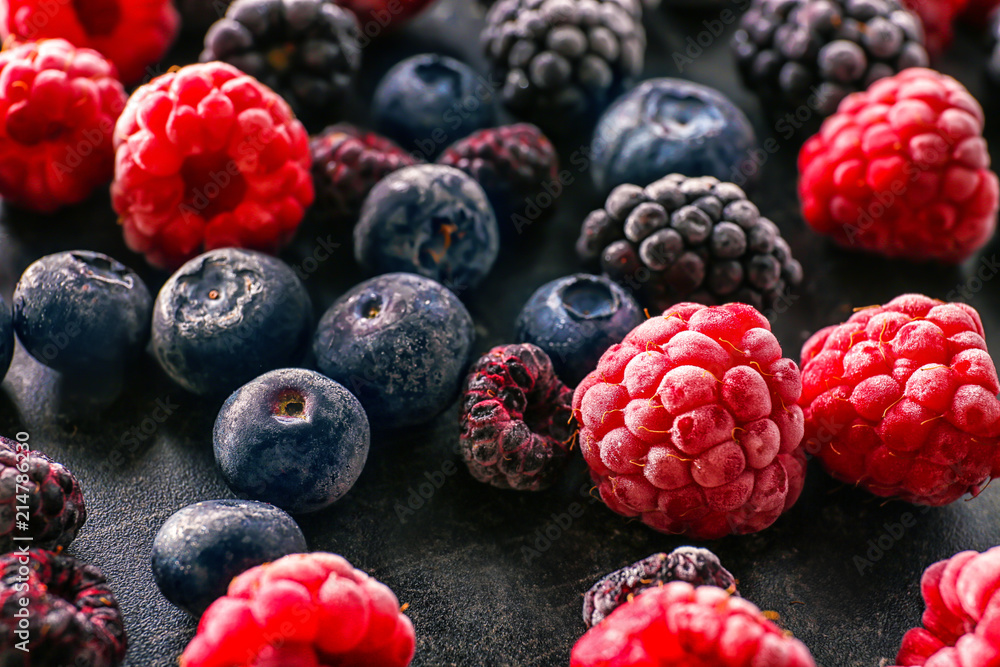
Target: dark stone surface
459, 559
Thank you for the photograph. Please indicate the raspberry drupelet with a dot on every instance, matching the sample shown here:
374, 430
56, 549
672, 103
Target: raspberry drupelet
208, 157
59, 105
691, 423
901, 400
902, 169
133, 34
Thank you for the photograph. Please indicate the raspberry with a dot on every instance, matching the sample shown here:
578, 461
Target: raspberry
56, 509
303, 609
59, 106
695, 566
691, 423
377, 15
133, 34
678, 624
73, 617
938, 18
977, 12
901, 400
516, 419
959, 615
347, 163
516, 165
902, 169
207, 158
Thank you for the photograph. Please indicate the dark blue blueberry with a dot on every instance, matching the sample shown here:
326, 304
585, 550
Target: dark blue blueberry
428, 101
292, 438
82, 313
203, 546
227, 316
6, 337
668, 126
575, 319
432, 220
401, 343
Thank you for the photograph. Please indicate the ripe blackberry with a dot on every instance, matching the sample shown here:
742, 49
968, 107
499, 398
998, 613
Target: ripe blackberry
816, 52
689, 239
72, 615
347, 163
516, 165
564, 60
698, 567
993, 64
307, 51
516, 419
56, 509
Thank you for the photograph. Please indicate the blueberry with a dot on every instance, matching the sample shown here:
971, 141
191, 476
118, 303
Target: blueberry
428, 101
431, 220
82, 313
6, 337
292, 438
227, 316
575, 319
401, 343
203, 546
667, 126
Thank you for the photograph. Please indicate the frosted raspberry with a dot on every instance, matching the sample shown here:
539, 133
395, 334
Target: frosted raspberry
691, 423
902, 400
678, 624
208, 157
59, 105
305, 610
902, 169
961, 614
133, 34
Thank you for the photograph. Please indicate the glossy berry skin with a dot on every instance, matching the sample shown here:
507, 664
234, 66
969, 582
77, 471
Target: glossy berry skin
59, 107
73, 617
292, 438
901, 400
678, 624
303, 610
6, 337
691, 423
208, 157
55, 506
307, 50
203, 547
227, 316
516, 421
133, 34
82, 313
416, 323
902, 170
575, 319
431, 220
960, 611
668, 126
428, 101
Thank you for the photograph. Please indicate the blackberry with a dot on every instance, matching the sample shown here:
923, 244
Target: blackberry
816, 52
993, 64
72, 615
305, 50
689, 239
516, 419
563, 61
56, 509
347, 163
698, 567
517, 167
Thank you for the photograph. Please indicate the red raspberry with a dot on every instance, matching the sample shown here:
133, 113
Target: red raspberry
133, 34
304, 610
977, 12
376, 16
59, 106
960, 616
902, 400
691, 423
209, 157
902, 169
938, 18
678, 624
